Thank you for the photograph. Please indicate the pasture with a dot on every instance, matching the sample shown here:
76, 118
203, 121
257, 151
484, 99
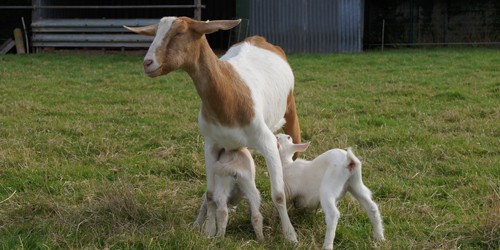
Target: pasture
94, 154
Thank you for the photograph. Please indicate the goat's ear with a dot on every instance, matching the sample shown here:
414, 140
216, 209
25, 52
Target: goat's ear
300, 147
149, 30
208, 27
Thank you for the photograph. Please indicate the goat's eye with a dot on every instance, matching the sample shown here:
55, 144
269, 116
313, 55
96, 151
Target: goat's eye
289, 137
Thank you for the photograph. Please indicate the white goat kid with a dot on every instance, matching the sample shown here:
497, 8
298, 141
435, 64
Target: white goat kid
234, 180
325, 180
246, 95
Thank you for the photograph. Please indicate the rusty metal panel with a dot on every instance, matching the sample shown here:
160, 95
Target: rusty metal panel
310, 26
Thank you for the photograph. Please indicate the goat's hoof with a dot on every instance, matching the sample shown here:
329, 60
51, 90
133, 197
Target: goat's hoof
220, 235
194, 225
210, 231
260, 238
291, 236
379, 237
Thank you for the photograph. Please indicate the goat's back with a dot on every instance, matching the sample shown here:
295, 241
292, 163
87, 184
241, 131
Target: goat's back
267, 74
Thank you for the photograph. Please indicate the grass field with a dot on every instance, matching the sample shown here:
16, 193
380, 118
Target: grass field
93, 154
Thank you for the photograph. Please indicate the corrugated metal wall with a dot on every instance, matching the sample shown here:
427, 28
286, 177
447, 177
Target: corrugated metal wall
304, 26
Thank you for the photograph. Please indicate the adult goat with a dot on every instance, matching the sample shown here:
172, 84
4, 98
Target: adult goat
246, 95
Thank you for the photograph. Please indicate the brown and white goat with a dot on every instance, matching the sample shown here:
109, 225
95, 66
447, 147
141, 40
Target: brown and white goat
246, 95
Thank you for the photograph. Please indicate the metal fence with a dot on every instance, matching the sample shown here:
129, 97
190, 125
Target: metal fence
317, 26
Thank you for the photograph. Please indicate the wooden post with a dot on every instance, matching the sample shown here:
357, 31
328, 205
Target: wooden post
26, 36
383, 31
18, 37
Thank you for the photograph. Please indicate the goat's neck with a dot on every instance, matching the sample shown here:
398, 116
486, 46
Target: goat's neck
286, 161
206, 70
225, 97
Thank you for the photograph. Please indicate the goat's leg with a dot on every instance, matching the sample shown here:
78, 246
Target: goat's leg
270, 151
211, 153
328, 197
222, 215
257, 220
292, 126
202, 212
253, 197
363, 195
224, 186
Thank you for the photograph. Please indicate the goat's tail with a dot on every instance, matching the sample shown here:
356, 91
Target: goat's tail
353, 161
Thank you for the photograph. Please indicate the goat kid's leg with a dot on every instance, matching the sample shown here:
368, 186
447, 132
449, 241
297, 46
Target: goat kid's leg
332, 215
211, 153
221, 215
224, 186
257, 221
253, 197
271, 154
363, 195
202, 212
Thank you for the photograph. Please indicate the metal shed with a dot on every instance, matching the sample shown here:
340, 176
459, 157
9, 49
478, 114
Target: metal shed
317, 26
91, 23
322, 26
303, 26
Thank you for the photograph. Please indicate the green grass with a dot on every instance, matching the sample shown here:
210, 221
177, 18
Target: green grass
93, 154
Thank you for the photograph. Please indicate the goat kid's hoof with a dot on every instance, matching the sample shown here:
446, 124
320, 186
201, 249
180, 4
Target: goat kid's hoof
194, 225
220, 235
210, 231
260, 237
379, 237
328, 247
197, 224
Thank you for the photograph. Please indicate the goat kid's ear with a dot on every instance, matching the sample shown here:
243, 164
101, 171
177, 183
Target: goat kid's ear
300, 147
149, 30
208, 27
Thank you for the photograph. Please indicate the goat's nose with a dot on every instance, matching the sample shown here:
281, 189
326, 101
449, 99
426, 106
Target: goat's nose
147, 62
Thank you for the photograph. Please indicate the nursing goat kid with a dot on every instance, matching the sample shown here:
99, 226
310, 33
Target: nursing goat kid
246, 95
234, 180
325, 180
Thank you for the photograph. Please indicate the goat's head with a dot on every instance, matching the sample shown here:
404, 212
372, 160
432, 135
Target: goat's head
177, 42
287, 148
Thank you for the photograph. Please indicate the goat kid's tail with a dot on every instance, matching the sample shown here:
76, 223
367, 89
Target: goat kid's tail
236, 167
354, 162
